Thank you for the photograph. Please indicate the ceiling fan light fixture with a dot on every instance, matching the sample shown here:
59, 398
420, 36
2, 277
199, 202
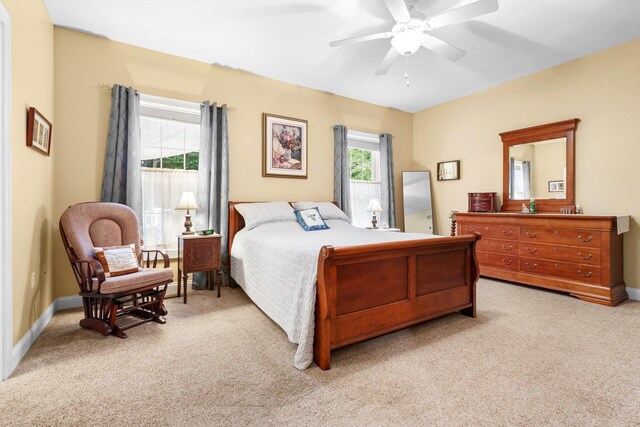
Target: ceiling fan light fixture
408, 41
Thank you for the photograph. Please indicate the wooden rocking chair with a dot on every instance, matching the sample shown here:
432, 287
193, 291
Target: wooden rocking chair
139, 294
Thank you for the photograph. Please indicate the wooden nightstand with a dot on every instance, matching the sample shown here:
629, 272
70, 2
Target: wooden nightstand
199, 253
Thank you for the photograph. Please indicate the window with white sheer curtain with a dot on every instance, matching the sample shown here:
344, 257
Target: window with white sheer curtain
364, 168
170, 143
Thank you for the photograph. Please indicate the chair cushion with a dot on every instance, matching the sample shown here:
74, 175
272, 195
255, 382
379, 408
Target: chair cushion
99, 224
130, 282
117, 260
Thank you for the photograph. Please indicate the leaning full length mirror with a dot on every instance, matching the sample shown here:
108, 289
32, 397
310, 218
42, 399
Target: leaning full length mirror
538, 170
416, 195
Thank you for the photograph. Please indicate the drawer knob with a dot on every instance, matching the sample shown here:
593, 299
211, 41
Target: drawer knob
587, 275
529, 266
507, 233
507, 248
531, 236
587, 240
585, 257
532, 251
507, 261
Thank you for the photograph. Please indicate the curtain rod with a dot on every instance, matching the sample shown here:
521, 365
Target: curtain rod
360, 130
108, 86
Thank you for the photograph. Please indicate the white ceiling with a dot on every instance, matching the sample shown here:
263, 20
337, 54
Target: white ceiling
288, 40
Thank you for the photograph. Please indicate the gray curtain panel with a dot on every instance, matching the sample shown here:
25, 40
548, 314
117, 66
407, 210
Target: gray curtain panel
387, 190
341, 177
526, 176
122, 178
213, 180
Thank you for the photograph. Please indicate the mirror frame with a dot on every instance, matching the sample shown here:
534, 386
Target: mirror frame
565, 129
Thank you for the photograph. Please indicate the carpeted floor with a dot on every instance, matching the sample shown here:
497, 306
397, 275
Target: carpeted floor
531, 357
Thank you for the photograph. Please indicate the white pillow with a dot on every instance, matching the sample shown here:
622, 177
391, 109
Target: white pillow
327, 210
255, 214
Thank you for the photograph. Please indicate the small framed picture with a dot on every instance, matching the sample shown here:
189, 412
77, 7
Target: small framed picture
284, 147
38, 132
448, 171
556, 186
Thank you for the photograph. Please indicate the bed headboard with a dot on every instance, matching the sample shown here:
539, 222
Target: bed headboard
236, 222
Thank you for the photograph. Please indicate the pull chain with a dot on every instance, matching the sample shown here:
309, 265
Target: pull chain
406, 72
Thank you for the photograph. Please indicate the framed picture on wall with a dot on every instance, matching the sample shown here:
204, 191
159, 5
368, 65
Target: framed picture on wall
284, 147
556, 186
448, 171
38, 132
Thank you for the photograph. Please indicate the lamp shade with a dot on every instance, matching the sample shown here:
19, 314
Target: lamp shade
374, 206
187, 202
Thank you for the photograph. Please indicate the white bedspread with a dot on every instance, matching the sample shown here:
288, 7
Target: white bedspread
276, 265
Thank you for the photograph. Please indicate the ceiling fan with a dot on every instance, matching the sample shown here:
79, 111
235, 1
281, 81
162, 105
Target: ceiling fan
412, 30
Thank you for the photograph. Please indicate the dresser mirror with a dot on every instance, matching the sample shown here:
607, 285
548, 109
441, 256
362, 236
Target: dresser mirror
539, 163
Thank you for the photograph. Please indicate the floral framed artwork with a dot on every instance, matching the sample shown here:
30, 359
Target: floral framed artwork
448, 171
284, 146
38, 132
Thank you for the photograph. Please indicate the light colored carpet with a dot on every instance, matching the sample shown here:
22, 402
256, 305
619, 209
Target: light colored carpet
531, 357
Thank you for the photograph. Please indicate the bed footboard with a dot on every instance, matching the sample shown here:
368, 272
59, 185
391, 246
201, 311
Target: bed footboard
366, 291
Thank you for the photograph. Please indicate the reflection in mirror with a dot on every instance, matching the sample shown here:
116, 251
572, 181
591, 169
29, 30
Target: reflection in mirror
416, 195
538, 170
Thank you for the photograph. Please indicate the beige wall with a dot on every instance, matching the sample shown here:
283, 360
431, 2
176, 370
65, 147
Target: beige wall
83, 61
549, 165
32, 172
601, 89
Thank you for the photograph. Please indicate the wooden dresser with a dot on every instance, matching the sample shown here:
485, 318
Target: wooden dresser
578, 254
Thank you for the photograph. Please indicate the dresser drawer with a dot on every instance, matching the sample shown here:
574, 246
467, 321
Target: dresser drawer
504, 232
487, 259
577, 272
508, 247
561, 237
584, 255
479, 206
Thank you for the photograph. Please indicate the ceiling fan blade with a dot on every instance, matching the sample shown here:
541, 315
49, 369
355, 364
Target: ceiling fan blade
443, 48
360, 39
462, 13
398, 10
387, 62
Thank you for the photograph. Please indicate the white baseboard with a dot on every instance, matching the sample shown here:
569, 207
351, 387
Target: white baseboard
634, 293
61, 303
30, 337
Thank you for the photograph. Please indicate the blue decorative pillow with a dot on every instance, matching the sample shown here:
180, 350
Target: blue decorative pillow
310, 219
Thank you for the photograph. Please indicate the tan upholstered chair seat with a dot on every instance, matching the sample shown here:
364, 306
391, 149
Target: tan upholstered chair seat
133, 281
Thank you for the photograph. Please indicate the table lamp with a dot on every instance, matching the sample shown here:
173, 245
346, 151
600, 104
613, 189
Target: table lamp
187, 203
374, 206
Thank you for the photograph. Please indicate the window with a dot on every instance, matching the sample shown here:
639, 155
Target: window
364, 168
170, 144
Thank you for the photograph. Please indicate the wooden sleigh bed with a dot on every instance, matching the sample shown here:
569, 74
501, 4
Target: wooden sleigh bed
370, 290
